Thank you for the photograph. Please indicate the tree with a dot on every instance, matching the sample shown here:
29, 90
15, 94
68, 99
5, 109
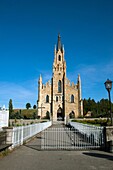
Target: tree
28, 105
98, 109
34, 115
34, 107
104, 107
10, 108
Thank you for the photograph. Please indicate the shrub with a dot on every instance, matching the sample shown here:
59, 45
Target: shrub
97, 122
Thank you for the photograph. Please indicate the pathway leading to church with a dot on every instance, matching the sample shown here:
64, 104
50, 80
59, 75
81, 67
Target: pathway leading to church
30, 157
60, 137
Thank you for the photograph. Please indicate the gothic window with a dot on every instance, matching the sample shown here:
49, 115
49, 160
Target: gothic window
47, 99
47, 115
56, 98
59, 58
72, 98
59, 86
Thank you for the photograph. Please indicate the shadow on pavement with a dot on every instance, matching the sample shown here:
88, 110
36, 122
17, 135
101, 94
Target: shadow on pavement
35, 147
99, 155
35, 143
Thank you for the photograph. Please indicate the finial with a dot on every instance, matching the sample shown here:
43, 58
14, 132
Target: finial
40, 78
55, 47
59, 45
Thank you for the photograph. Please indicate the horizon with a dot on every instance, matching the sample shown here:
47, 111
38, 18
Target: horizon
28, 34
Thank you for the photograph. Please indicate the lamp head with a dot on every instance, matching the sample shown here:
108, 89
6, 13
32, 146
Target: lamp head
108, 85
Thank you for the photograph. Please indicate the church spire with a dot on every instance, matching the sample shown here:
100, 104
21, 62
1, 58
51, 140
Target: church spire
59, 45
40, 79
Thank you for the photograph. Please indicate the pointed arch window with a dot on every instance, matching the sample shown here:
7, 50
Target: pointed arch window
59, 86
47, 99
72, 98
59, 57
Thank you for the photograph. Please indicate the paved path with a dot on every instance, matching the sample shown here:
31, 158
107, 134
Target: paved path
56, 137
60, 137
29, 157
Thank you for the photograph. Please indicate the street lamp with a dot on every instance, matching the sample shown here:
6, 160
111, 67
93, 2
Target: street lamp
108, 86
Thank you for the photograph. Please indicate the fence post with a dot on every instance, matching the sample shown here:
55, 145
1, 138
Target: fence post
109, 139
17, 135
9, 134
22, 135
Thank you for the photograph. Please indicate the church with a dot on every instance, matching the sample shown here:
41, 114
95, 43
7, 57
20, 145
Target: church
59, 98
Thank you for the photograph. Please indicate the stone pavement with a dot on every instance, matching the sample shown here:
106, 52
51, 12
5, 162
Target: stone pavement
29, 157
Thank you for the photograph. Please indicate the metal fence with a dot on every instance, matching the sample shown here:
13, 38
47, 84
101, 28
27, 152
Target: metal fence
23, 133
96, 133
74, 138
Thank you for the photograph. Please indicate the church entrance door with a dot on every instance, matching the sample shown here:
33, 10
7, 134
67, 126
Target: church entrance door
59, 114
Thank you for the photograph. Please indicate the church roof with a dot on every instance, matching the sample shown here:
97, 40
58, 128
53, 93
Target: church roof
59, 44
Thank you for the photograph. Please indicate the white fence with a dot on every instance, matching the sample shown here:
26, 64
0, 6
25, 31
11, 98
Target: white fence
96, 133
22, 133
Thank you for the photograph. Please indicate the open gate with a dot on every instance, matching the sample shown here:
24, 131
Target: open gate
63, 138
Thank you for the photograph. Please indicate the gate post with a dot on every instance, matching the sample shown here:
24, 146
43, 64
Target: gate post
109, 139
104, 146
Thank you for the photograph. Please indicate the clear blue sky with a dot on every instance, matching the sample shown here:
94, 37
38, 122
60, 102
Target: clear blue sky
28, 33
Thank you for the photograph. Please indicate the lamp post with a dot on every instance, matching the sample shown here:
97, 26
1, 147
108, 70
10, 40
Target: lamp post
108, 86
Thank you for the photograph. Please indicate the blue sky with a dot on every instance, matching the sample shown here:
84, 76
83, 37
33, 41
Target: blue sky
28, 33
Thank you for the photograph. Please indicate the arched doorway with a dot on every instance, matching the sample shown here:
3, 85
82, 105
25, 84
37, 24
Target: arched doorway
59, 114
72, 115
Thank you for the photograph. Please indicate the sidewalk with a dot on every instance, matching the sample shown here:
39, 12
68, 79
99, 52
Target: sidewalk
29, 157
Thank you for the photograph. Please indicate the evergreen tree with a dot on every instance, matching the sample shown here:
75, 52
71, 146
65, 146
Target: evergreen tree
28, 105
34, 107
98, 109
10, 108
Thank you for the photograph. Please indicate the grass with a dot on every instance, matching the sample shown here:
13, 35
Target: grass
96, 122
5, 153
25, 111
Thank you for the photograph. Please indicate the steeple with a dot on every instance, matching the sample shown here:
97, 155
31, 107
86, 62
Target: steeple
40, 79
79, 86
59, 64
59, 45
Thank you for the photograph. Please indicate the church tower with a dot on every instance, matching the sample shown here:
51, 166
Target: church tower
59, 98
58, 81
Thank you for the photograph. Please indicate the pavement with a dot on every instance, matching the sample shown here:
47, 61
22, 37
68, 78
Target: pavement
30, 157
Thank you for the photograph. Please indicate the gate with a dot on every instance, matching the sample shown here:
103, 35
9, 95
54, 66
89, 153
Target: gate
64, 138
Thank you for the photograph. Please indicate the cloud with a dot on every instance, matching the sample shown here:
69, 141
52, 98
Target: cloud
20, 94
93, 78
94, 73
